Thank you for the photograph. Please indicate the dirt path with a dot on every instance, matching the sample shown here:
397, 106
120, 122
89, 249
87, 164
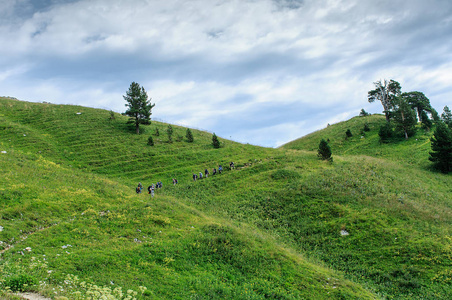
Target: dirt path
32, 296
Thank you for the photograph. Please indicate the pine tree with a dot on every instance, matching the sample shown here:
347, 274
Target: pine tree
446, 116
426, 122
215, 141
363, 113
441, 154
324, 151
404, 118
385, 92
169, 131
139, 106
189, 136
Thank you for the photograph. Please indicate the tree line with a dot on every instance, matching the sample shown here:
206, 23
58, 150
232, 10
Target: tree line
404, 110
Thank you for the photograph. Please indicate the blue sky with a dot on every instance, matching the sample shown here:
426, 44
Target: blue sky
262, 72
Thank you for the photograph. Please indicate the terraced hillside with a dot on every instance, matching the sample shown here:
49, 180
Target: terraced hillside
281, 225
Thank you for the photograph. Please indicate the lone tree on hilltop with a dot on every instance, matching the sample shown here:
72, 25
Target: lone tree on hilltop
441, 154
363, 113
385, 92
139, 106
215, 141
189, 136
324, 151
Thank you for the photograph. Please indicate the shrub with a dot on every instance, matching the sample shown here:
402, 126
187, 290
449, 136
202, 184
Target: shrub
386, 132
348, 133
366, 127
157, 133
150, 141
19, 283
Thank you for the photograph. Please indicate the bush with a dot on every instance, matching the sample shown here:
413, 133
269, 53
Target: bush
348, 133
19, 283
366, 127
157, 132
386, 132
150, 141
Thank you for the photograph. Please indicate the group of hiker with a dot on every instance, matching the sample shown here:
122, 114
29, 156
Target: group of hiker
152, 187
159, 184
214, 172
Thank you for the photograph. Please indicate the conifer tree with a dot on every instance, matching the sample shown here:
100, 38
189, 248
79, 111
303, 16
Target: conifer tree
363, 113
405, 118
441, 154
385, 92
169, 131
189, 136
215, 141
324, 151
426, 122
446, 116
139, 106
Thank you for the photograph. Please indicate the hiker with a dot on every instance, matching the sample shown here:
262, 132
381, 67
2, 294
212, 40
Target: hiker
174, 181
152, 190
206, 172
220, 168
139, 188
214, 171
194, 177
231, 165
200, 175
149, 189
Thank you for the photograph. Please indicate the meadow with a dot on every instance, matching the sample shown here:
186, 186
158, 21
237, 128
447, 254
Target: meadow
374, 224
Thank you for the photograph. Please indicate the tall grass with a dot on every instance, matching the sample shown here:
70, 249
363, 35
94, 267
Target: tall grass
271, 228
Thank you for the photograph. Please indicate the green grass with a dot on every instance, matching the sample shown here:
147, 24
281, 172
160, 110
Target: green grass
268, 229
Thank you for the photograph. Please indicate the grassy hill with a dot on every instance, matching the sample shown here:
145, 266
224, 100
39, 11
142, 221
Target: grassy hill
271, 228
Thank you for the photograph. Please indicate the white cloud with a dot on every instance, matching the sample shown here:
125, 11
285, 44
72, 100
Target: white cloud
239, 68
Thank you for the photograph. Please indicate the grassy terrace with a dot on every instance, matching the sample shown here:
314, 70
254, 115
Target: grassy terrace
271, 228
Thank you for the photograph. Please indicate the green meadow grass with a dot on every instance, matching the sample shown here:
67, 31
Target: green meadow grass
271, 228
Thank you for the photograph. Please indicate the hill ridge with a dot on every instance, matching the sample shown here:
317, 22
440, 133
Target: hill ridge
202, 237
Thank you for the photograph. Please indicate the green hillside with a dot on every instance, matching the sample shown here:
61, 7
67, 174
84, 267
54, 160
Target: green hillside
271, 228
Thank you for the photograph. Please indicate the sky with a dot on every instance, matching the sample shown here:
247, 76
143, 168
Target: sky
262, 72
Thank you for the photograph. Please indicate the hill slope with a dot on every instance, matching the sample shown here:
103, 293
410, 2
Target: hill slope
271, 228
